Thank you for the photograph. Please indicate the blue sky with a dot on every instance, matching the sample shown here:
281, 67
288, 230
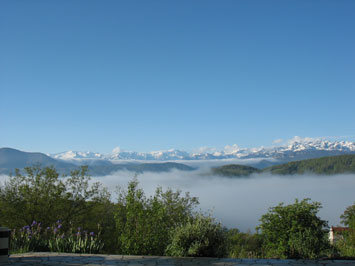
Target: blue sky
151, 75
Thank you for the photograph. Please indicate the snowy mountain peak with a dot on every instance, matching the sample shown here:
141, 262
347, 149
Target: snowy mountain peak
297, 148
72, 155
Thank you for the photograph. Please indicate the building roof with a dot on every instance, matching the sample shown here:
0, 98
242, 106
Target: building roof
339, 229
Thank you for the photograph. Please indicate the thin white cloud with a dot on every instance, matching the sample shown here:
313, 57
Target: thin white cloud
117, 150
204, 149
302, 140
229, 149
277, 141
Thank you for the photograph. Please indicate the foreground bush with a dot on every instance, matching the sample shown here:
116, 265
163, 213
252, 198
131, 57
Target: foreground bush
345, 245
244, 245
41, 194
35, 238
143, 224
294, 231
199, 237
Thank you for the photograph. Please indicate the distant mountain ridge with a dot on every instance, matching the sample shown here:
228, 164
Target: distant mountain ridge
296, 150
101, 164
10, 159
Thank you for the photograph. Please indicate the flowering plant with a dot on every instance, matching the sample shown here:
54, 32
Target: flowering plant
35, 238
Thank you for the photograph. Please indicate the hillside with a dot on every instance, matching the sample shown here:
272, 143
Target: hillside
235, 170
10, 159
322, 166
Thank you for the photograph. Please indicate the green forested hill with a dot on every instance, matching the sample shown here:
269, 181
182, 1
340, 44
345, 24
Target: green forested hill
322, 166
235, 170
325, 165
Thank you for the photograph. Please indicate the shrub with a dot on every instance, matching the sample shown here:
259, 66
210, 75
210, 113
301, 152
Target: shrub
41, 194
201, 236
244, 245
294, 231
143, 224
346, 244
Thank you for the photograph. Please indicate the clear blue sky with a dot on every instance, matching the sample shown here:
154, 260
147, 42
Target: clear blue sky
150, 75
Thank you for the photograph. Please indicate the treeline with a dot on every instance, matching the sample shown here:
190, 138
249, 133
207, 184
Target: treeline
321, 166
48, 212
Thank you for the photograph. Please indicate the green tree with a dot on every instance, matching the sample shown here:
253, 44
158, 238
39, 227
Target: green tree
346, 243
348, 216
42, 195
201, 236
294, 231
143, 224
244, 245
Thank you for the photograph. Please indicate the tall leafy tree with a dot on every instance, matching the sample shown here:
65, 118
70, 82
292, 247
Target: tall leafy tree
348, 217
294, 231
41, 194
143, 224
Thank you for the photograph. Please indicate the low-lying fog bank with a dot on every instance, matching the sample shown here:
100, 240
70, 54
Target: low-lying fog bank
240, 202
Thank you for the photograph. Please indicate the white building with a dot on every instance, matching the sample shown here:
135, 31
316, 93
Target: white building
336, 233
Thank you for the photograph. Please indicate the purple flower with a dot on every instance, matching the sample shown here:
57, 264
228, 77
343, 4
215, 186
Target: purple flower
79, 228
55, 230
92, 233
33, 223
58, 222
59, 226
48, 228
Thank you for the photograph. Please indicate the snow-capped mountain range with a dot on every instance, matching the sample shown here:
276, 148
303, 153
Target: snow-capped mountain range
297, 149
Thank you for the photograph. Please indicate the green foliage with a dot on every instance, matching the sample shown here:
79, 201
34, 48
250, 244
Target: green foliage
42, 195
235, 170
244, 245
201, 236
325, 165
346, 244
349, 215
294, 231
35, 238
143, 224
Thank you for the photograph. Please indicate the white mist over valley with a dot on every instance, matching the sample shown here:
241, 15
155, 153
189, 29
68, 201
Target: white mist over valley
240, 202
